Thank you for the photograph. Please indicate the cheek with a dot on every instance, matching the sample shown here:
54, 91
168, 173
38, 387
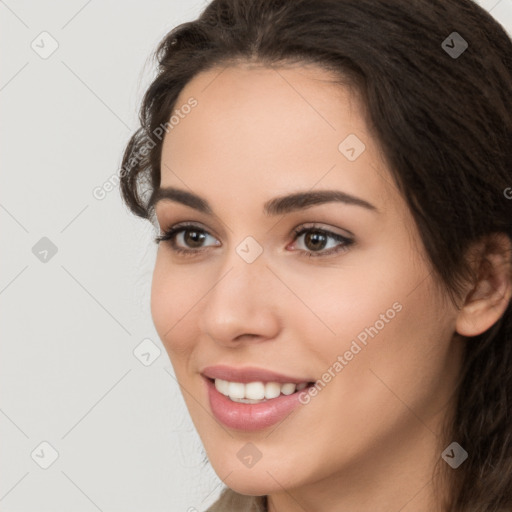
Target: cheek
353, 330
172, 298
381, 315
395, 351
343, 304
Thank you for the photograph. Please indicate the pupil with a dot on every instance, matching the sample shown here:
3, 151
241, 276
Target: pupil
194, 238
316, 238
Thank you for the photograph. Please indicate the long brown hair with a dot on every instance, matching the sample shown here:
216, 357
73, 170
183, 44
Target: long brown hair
444, 123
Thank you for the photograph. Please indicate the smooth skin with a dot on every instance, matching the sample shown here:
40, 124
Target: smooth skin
369, 440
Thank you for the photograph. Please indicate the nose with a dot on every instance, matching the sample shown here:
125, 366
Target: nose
242, 304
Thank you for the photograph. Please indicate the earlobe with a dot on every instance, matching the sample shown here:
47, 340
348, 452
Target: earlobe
489, 297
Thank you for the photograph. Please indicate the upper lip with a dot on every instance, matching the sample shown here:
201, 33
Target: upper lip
248, 374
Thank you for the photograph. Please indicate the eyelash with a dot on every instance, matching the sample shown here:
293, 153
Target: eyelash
170, 235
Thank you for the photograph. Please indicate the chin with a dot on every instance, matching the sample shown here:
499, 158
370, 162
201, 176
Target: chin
265, 477
250, 485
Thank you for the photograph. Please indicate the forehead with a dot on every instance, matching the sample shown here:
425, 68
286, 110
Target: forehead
272, 130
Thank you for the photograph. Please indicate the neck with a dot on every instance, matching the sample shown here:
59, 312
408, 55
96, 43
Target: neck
396, 474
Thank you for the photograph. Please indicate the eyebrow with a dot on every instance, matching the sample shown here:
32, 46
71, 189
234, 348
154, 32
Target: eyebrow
277, 206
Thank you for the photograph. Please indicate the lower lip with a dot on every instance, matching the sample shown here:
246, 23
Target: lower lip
249, 417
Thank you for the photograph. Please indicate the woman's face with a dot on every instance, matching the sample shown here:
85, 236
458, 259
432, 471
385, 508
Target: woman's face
358, 315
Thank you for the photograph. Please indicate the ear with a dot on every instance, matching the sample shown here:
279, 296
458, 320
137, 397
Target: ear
488, 298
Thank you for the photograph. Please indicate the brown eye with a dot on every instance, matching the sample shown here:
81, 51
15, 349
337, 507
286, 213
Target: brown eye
315, 241
193, 238
320, 242
186, 239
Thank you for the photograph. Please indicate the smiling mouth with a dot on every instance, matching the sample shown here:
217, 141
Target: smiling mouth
258, 391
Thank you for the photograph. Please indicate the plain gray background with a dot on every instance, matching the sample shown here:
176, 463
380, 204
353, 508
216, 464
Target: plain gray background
82, 369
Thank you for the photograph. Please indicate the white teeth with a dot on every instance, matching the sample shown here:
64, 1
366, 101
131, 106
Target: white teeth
246, 400
288, 389
256, 392
222, 386
236, 390
272, 390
